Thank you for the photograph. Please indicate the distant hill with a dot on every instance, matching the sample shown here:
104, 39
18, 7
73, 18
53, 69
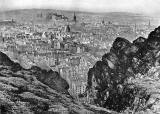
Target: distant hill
121, 17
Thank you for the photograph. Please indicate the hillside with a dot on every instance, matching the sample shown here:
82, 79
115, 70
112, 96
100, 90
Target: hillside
36, 90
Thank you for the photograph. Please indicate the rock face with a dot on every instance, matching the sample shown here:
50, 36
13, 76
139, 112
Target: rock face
51, 79
35, 91
109, 77
5, 60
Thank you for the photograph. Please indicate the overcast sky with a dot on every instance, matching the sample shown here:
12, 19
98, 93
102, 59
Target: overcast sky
137, 6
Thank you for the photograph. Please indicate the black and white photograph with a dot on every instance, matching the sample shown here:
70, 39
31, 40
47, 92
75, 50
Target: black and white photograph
79, 56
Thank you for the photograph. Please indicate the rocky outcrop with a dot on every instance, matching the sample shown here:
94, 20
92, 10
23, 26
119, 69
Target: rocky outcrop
6, 61
50, 78
109, 78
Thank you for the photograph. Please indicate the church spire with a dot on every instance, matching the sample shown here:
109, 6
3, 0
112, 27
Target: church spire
68, 28
149, 23
74, 18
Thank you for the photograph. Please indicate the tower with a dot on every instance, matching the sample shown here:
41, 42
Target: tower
149, 24
103, 22
68, 28
74, 18
135, 29
41, 15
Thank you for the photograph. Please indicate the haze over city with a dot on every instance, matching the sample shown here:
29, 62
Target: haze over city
150, 7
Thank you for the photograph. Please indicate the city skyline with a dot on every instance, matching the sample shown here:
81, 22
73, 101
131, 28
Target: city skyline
149, 7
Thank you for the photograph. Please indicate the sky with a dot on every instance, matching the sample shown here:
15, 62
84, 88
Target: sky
135, 6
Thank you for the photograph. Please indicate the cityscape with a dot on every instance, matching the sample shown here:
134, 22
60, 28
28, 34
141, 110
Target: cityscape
61, 46
67, 42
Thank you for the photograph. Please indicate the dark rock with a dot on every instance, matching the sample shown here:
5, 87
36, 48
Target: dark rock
131, 51
98, 75
53, 80
140, 42
16, 67
108, 78
152, 45
5, 60
35, 68
3, 109
90, 75
123, 49
50, 78
110, 59
154, 35
119, 44
153, 41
